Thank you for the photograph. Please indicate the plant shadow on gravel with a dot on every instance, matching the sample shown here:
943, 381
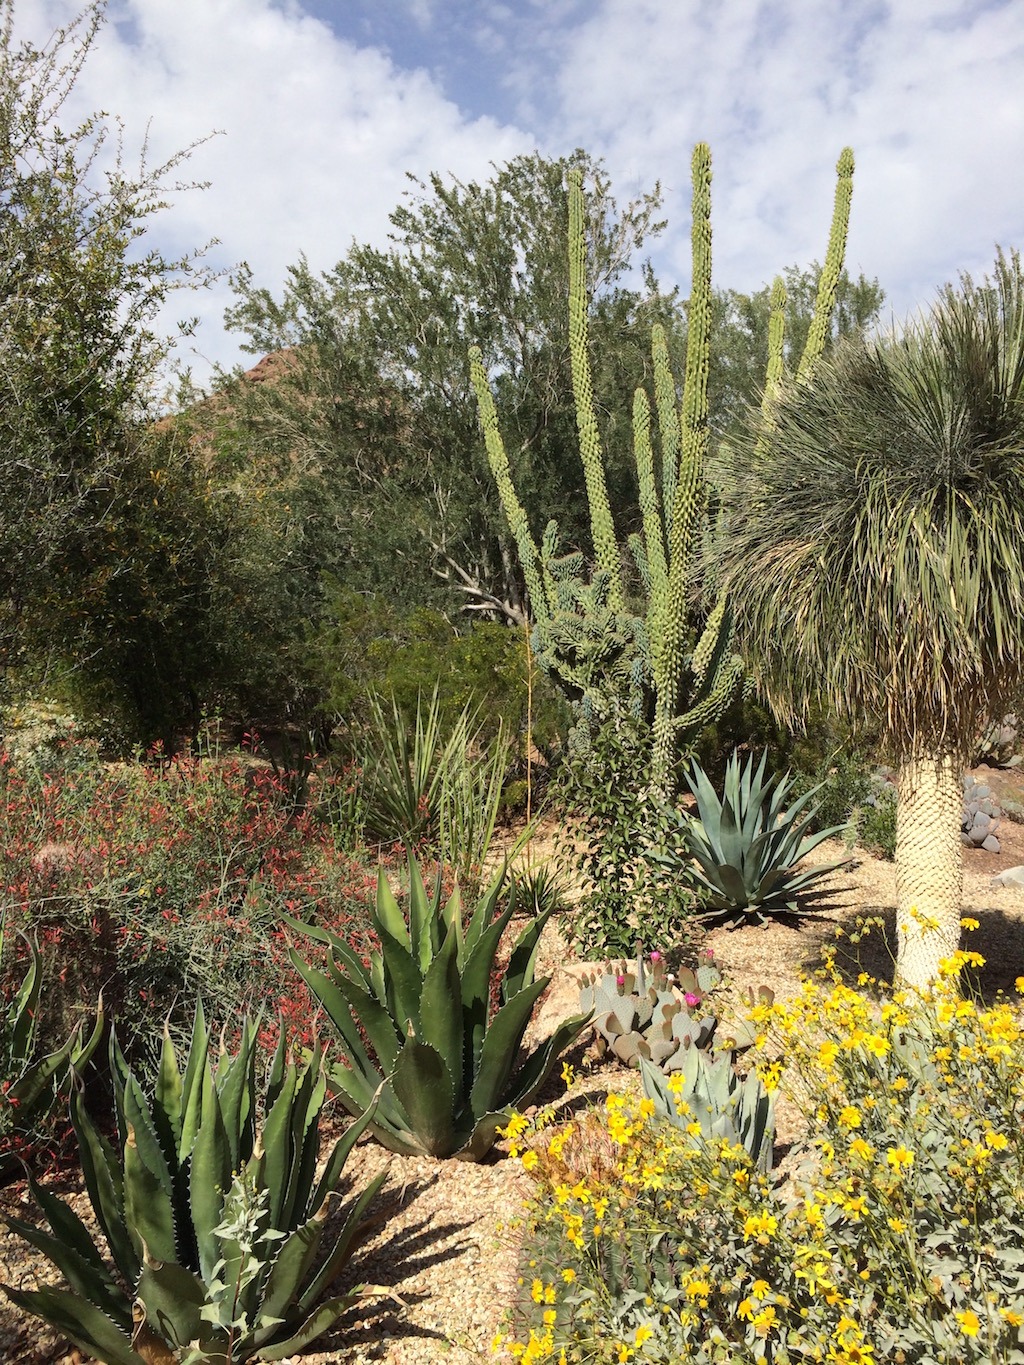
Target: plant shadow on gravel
868, 945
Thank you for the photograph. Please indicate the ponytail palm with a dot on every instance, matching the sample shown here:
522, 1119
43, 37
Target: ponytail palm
874, 533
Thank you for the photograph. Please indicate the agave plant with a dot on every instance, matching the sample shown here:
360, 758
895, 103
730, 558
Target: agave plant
215, 1226
447, 1065
31, 1084
743, 849
707, 1089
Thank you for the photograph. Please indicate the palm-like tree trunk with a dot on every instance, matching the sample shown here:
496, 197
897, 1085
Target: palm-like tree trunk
929, 868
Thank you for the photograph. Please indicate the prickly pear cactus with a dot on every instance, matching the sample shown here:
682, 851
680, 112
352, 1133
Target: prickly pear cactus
641, 1011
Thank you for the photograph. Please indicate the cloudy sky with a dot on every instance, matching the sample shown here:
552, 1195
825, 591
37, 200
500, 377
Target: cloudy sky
323, 105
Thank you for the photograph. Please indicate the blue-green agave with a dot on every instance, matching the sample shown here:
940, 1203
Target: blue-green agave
445, 1064
216, 1222
742, 849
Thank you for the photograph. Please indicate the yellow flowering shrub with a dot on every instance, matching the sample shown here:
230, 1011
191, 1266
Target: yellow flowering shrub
898, 1236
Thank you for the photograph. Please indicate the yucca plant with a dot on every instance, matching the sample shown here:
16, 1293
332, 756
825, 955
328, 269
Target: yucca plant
215, 1223
446, 1063
30, 1085
742, 849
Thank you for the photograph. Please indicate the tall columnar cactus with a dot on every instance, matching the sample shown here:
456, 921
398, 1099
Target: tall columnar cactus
611, 655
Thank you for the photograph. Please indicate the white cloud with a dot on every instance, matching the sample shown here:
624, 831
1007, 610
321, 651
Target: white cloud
318, 133
927, 94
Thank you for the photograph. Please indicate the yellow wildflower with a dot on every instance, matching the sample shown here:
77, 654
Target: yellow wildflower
968, 1322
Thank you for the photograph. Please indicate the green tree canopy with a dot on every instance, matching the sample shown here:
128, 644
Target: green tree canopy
80, 290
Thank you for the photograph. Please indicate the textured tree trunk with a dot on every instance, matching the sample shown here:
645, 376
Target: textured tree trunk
929, 868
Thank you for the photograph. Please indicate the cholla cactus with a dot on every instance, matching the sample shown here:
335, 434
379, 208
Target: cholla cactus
610, 657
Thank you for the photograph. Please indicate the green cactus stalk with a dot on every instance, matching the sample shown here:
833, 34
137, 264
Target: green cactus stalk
602, 528
668, 418
776, 367
497, 457
611, 661
828, 281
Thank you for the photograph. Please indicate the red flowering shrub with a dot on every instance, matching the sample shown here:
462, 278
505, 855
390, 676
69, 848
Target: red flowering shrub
158, 884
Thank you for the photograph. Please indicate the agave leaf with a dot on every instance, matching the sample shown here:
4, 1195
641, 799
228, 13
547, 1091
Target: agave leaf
358, 1229
173, 1299
403, 979
318, 1322
80, 1321
236, 1083
86, 1274
209, 1179
343, 999
389, 913
104, 1181
295, 1255
440, 1014
523, 960
541, 1062
148, 1206
501, 1048
424, 1087
277, 1142
194, 1080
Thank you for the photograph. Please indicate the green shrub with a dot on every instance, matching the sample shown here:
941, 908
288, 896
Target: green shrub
162, 884
895, 1235
876, 823
212, 1214
610, 826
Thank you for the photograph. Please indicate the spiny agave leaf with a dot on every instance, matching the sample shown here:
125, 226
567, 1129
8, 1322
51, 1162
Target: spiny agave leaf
501, 1047
295, 1256
541, 1062
342, 999
335, 1163
167, 1096
87, 1276
403, 979
209, 1180
104, 1181
194, 1080
318, 1322
236, 1085
148, 1206
81, 1322
388, 913
73, 1235
358, 1228
476, 981
424, 1087
439, 1022
523, 960
173, 1299
277, 1141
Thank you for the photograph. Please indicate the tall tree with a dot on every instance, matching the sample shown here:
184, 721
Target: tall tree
873, 532
378, 401
78, 351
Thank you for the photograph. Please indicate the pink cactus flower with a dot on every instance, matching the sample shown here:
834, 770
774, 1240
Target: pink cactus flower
655, 957
691, 999
620, 980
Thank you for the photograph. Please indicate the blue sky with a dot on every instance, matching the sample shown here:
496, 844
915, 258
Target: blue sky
323, 105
